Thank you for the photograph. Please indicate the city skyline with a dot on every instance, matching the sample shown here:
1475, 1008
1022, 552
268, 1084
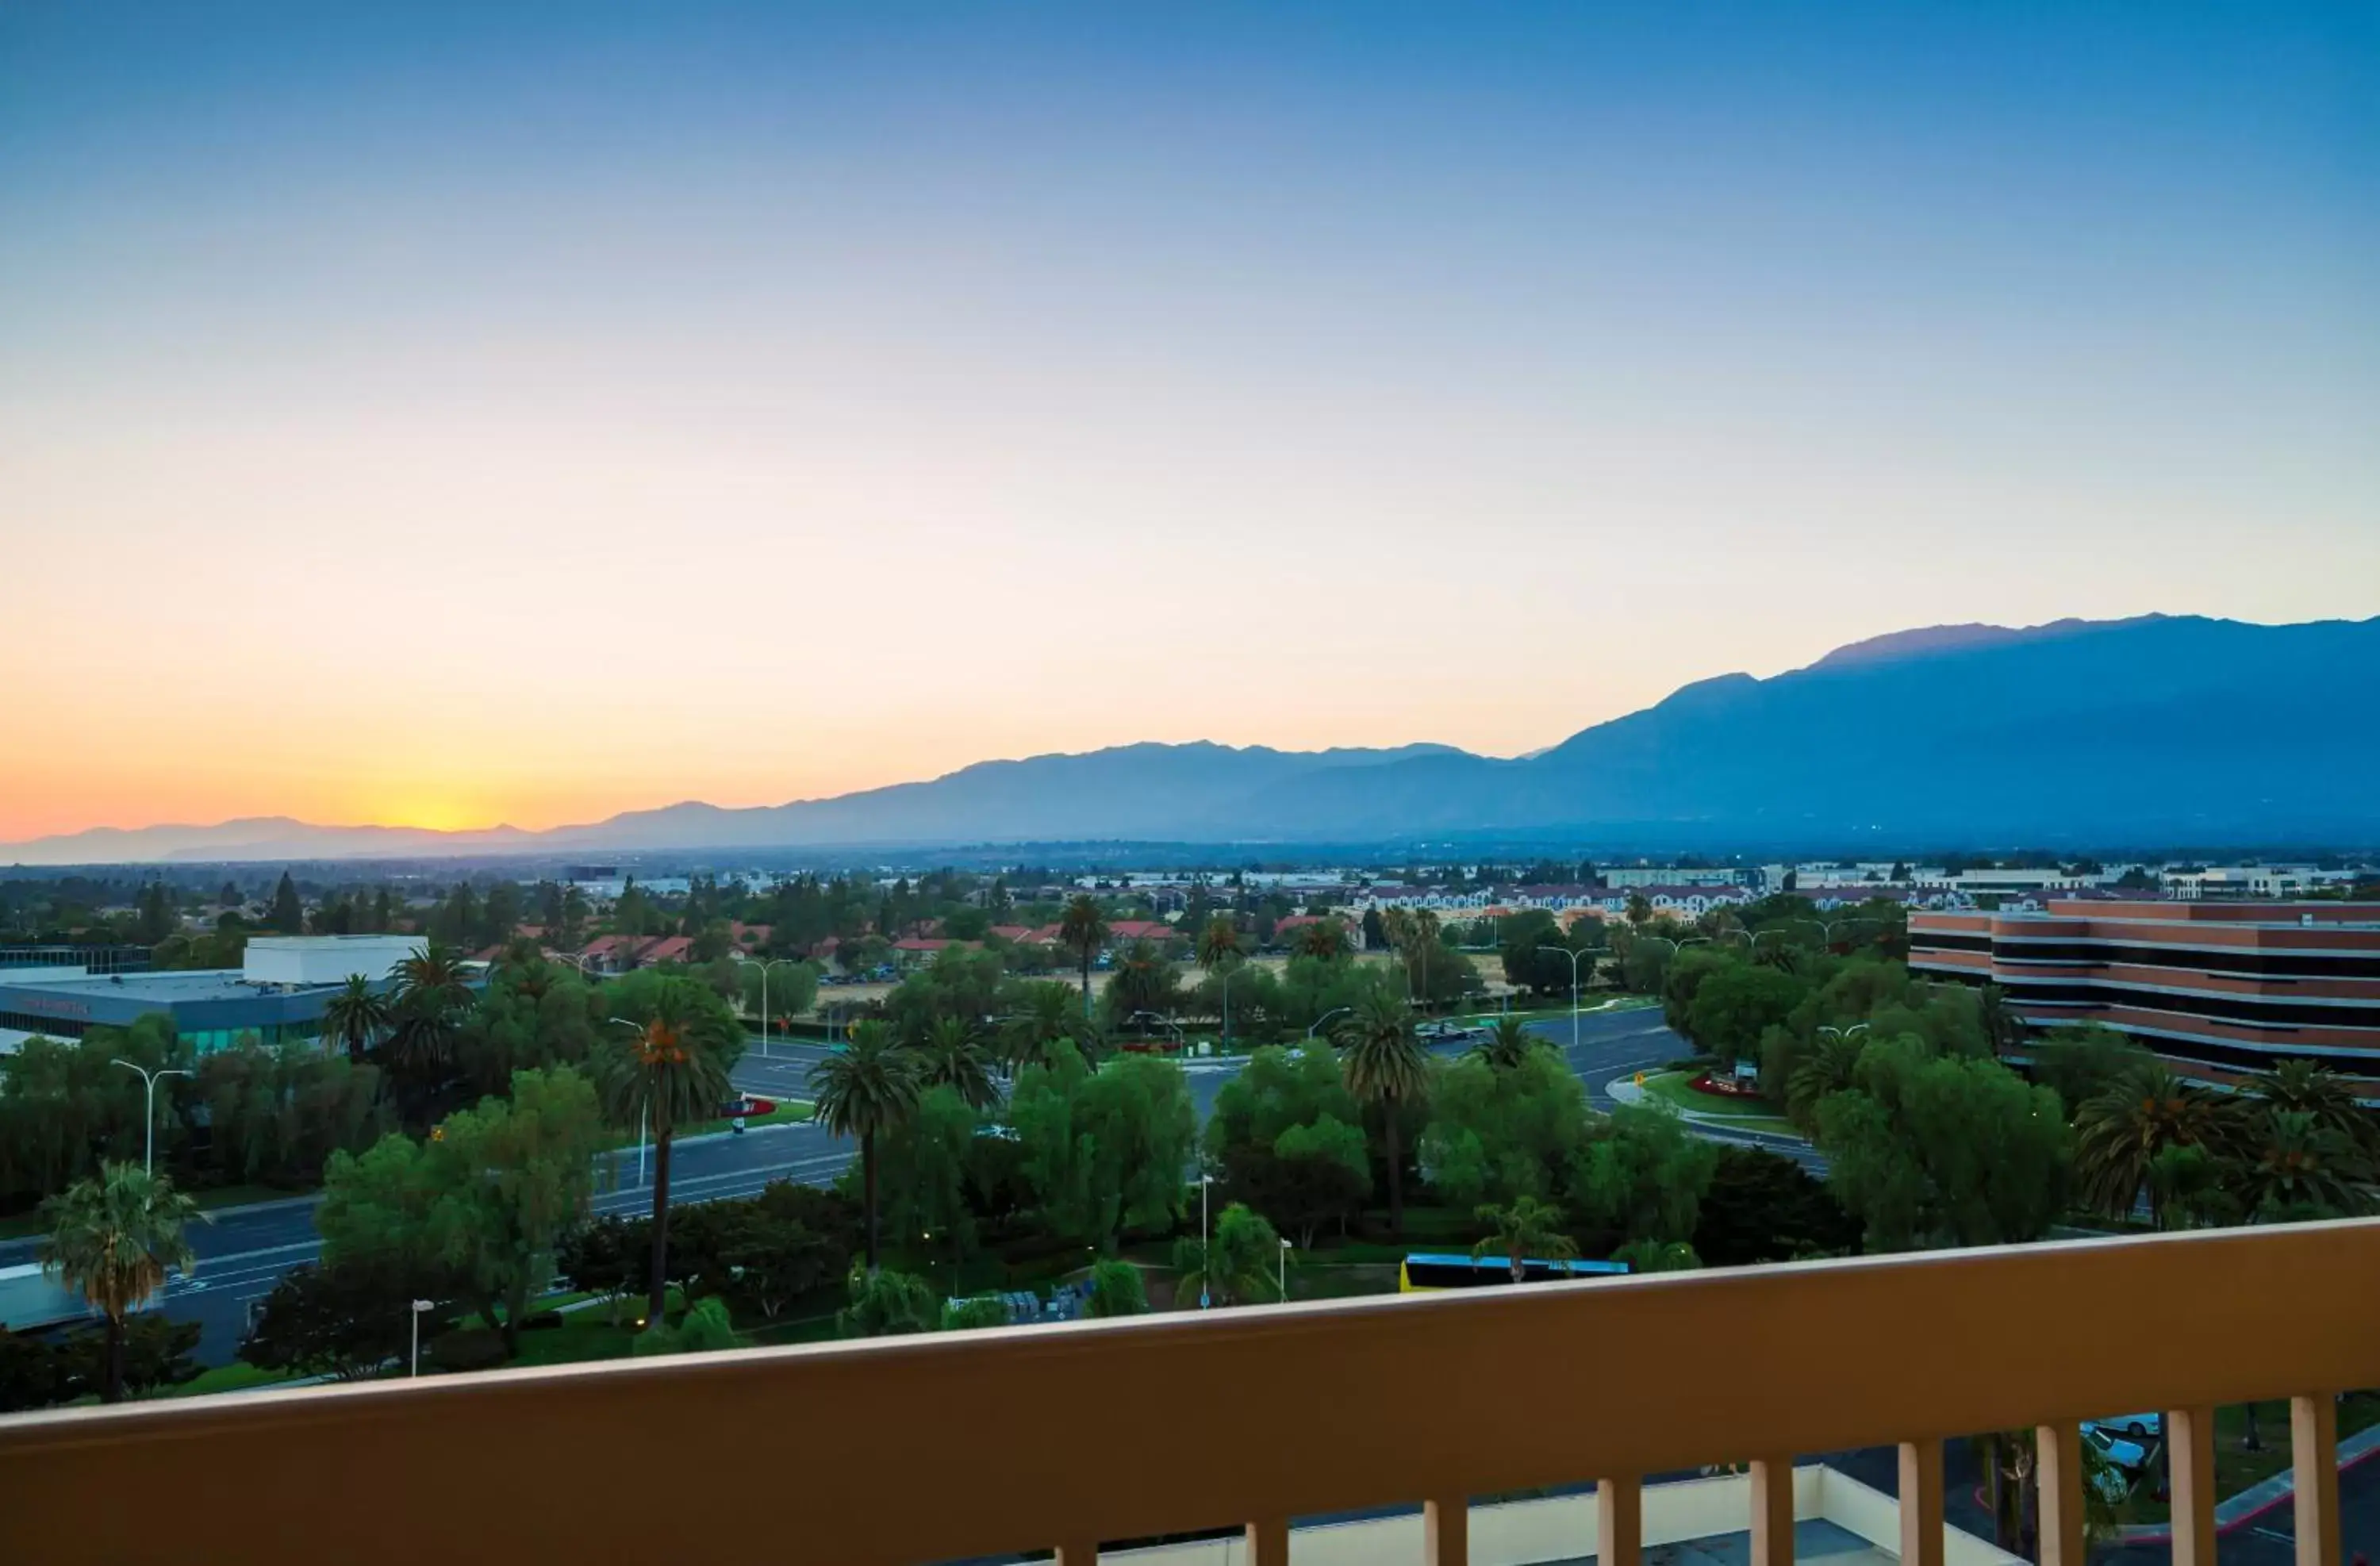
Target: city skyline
435, 420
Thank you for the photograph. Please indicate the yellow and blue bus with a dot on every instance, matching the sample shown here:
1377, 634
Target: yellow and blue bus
1423, 1271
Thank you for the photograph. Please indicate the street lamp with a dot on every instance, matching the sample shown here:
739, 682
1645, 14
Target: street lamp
1550, 946
1326, 1017
418, 1306
1205, 1242
149, 1108
1284, 1272
1832, 1031
765, 966
642, 1119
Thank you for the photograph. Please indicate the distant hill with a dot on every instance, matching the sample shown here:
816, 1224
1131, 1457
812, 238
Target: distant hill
2154, 729
2159, 730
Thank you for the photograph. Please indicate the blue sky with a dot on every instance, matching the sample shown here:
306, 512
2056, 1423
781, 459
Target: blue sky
852, 392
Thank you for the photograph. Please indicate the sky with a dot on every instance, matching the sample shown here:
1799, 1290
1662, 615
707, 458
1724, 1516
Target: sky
444, 415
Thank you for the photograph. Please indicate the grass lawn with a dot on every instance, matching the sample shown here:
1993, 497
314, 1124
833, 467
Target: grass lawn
2236, 1469
1753, 1114
237, 1377
584, 1335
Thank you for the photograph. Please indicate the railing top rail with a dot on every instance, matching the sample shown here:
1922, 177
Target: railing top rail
926, 1448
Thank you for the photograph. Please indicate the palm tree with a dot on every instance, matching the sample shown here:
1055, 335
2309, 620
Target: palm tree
949, 1057
2117, 1133
1828, 1068
1218, 952
868, 1086
429, 996
1508, 1044
356, 1016
2304, 1087
1083, 931
113, 1238
1326, 938
1528, 1228
671, 1069
1639, 909
1385, 1064
1047, 1017
2306, 1166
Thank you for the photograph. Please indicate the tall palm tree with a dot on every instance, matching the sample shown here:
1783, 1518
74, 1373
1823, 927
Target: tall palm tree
1508, 1044
113, 1238
949, 1057
1218, 952
664, 1068
2119, 1132
1083, 931
426, 1004
1325, 939
868, 1087
1528, 1228
356, 1016
1828, 1068
1384, 1063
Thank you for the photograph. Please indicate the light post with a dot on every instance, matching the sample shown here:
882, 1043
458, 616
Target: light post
765, 966
1180, 1045
1284, 1283
642, 1120
149, 1108
1832, 1031
1205, 1242
1550, 946
418, 1306
1326, 1017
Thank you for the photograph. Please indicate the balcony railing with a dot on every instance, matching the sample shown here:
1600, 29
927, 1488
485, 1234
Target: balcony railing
931, 1448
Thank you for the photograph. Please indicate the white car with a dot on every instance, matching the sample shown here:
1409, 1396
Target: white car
2139, 1427
2129, 1456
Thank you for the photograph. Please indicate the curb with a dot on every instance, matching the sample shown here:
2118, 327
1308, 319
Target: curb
2367, 1445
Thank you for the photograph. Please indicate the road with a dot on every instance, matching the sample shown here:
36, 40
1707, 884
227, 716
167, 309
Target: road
244, 1251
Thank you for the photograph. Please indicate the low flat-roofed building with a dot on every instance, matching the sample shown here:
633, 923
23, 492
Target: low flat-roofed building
2218, 989
278, 995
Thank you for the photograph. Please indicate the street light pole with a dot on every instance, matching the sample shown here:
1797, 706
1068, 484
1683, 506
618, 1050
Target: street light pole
644, 1118
1326, 1017
1206, 1243
1550, 946
1284, 1272
765, 966
418, 1306
149, 1108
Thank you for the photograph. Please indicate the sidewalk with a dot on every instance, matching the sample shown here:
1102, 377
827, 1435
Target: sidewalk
2265, 1495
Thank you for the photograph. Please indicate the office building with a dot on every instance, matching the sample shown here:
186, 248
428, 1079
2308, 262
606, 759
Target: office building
279, 993
2218, 989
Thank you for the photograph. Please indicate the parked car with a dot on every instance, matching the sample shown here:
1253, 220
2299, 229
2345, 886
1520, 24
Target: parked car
2129, 1456
2139, 1427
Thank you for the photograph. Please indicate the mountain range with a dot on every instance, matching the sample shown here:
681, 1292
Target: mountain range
2154, 729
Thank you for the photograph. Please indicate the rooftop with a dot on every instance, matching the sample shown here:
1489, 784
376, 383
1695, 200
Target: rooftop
187, 984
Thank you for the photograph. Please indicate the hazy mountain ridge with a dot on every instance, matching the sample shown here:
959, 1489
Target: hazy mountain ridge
2166, 729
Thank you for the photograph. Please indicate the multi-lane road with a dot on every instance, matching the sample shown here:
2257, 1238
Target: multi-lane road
244, 1251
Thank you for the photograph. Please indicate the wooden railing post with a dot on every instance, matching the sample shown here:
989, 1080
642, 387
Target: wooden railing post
1446, 1531
2314, 1454
1772, 1511
2190, 1454
2059, 1454
1269, 1542
1920, 1503
1619, 1521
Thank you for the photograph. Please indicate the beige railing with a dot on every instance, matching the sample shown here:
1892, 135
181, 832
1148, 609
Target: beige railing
924, 1449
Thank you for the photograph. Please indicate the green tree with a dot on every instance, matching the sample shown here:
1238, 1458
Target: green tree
1929, 1150
1043, 1013
1497, 1135
2302, 1164
1083, 931
343, 1322
356, 1017
1238, 1264
973, 1314
1219, 953
1101, 1150
1657, 1255
432, 993
1324, 938
924, 1164
1642, 1174
1116, 1289
112, 1239
288, 916
2080, 1061
665, 1067
1525, 1231
1763, 1207
863, 1090
1385, 1065
1736, 1003
886, 1303
2318, 1092
485, 1202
